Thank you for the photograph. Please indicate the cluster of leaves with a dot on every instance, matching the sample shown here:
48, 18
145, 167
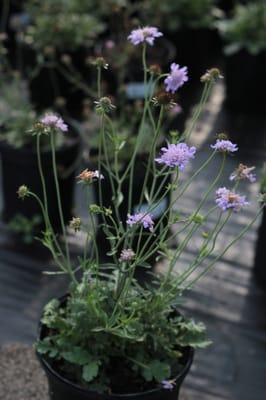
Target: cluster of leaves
96, 332
61, 24
174, 15
246, 29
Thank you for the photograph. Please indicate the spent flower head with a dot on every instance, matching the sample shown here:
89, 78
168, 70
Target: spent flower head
98, 62
143, 219
224, 146
87, 176
243, 172
227, 199
176, 155
104, 105
176, 78
23, 191
144, 35
212, 74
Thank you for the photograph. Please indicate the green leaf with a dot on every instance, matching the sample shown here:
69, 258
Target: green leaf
160, 370
157, 370
90, 371
77, 355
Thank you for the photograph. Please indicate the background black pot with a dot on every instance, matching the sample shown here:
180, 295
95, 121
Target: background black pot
260, 255
158, 212
245, 80
19, 166
61, 388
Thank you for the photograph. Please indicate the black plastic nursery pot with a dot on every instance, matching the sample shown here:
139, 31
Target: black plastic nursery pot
245, 80
61, 388
260, 254
19, 166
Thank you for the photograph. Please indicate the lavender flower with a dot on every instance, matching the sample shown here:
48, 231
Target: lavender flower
54, 121
243, 172
141, 218
176, 78
224, 146
176, 155
126, 255
226, 199
168, 385
147, 34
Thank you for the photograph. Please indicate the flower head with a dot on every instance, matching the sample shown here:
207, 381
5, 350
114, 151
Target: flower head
226, 199
104, 105
212, 74
126, 255
176, 155
224, 146
243, 172
168, 385
23, 191
141, 218
87, 176
54, 121
147, 34
75, 224
176, 78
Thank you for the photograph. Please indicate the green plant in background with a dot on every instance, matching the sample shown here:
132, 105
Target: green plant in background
25, 227
61, 25
110, 326
16, 112
175, 15
246, 29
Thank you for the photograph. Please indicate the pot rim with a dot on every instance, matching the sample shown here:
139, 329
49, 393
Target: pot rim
182, 373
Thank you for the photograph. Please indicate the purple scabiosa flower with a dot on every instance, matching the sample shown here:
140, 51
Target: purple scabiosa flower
176, 78
243, 172
224, 146
54, 121
168, 385
126, 255
147, 34
141, 218
226, 199
176, 155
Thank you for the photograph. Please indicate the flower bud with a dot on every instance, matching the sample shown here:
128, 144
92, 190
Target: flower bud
23, 191
75, 224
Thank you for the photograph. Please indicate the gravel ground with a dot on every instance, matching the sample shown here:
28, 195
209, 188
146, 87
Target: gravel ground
21, 377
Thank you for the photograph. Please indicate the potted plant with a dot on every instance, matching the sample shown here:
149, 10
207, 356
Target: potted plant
20, 161
260, 254
245, 57
110, 337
